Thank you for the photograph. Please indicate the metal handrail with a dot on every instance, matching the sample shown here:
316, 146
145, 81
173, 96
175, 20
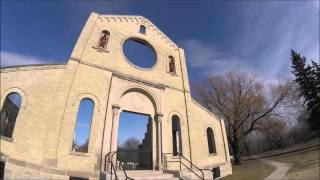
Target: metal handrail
110, 155
181, 163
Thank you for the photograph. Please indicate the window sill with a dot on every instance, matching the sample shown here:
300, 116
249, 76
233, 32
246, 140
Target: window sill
100, 49
213, 154
6, 138
175, 156
172, 74
78, 154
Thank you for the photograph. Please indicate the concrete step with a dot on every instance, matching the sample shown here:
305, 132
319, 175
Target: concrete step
149, 174
186, 174
146, 175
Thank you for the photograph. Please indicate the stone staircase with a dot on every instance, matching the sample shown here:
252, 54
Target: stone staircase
141, 175
186, 174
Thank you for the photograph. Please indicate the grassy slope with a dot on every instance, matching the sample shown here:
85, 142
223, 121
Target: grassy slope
250, 170
305, 164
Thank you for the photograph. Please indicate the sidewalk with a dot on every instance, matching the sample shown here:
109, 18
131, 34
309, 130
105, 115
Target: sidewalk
280, 172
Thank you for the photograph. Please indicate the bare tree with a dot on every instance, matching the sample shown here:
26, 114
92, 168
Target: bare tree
275, 136
243, 103
128, 150
81, 147
131, 144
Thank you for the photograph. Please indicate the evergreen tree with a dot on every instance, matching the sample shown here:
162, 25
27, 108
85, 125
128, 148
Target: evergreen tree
308, 80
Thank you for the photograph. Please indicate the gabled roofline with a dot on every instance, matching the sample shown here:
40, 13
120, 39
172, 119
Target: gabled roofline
202, 107
140, 19
32, 67
28, 65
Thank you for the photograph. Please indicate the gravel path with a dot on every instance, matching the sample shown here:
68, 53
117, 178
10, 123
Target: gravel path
280, 172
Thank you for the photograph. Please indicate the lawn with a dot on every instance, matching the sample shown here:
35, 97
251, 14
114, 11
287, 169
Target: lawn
305, 164
250, 170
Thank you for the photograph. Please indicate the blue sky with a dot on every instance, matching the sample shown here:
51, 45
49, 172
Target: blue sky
132, 125
218, 36
15, 98
139, 54
84, 119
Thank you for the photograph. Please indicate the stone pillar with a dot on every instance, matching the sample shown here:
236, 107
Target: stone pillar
115, 127
158, 119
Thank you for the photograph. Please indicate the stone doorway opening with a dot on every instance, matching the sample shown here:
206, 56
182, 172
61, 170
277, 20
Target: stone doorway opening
134, 145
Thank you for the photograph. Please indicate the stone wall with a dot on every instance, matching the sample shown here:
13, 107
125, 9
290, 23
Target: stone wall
38, 86
201, 119
16, 169
42, 140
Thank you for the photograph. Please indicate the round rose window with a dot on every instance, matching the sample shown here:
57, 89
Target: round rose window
140, 53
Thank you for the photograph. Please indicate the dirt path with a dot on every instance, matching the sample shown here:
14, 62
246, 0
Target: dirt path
280, 172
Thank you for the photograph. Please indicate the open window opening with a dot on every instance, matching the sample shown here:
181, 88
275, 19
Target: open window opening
9, 113
142, 29
104, 39
172, 65
211, 141
176, 136
83, 126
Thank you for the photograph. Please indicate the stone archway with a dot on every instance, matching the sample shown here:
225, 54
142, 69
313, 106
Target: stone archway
137, 101
140, 101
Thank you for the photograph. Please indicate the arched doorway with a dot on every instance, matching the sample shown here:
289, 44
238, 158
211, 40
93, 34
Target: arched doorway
140, 102
134, 146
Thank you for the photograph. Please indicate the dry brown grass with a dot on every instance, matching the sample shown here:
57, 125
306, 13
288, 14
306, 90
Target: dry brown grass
250, 170
305, 164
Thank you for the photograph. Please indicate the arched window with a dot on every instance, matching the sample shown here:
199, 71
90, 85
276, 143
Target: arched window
9, 113
176, 136
83, 126
142, 29
211, 142
103, 40
172, 65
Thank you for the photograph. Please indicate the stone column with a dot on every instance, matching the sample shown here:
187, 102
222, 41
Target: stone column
115, 127
158, 119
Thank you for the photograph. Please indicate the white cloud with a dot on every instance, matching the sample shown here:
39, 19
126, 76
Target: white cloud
209, 60
317, 4
213, 62
11, 59
199, 53
264, 50
268, 67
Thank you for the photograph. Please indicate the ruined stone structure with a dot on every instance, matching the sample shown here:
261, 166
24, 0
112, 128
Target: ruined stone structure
43, 128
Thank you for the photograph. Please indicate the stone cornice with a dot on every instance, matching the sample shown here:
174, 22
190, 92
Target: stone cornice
142, 20
31, 67
127, 77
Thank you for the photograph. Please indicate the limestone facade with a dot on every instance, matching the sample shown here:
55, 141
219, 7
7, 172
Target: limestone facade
41, 144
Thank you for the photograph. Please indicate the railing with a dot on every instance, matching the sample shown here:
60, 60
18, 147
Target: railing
181, 157
109, 156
